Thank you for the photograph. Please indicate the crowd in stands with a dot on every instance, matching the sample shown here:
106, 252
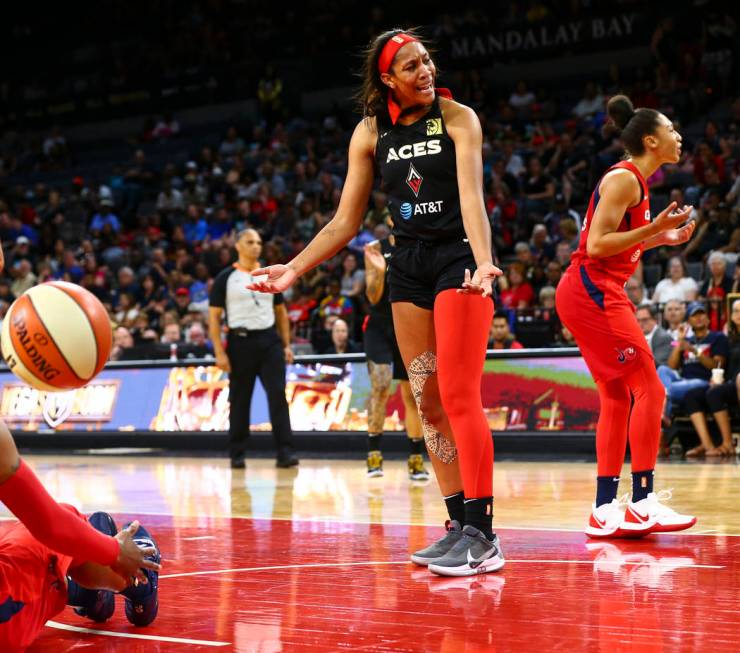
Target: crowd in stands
148, 238
163, 56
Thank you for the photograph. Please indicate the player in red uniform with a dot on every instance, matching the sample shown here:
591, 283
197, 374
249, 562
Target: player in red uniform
592, 303
53, 541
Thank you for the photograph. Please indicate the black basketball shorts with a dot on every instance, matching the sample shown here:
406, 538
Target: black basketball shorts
420, 270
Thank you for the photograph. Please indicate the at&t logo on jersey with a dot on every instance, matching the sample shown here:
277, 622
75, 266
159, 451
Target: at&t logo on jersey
626, 354
423, 148
422, 208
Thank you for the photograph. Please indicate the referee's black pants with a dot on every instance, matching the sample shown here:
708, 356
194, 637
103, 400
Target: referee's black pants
252, 354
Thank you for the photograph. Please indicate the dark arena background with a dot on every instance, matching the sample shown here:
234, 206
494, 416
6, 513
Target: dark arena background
138, 139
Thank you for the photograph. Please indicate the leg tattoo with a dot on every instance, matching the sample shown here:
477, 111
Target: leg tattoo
420, 369
380, 386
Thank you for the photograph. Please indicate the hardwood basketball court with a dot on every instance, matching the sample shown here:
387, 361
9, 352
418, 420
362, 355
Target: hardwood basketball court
316, 559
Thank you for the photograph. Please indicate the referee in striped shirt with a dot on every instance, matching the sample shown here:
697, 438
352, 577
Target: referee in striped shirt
258, 345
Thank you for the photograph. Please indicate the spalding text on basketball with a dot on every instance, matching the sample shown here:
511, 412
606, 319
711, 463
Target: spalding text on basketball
47, 371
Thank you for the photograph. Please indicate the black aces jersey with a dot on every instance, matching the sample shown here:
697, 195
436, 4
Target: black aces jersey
419, 172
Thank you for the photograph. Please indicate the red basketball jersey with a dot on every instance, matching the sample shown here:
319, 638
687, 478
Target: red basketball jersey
619, 267
33, 586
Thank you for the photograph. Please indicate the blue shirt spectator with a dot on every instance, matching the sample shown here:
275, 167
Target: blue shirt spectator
199, 292
714, 343
69, 269
221, 226
195, 229
16, 231
104, 217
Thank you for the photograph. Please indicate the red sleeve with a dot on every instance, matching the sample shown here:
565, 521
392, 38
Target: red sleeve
516, 345
52, 524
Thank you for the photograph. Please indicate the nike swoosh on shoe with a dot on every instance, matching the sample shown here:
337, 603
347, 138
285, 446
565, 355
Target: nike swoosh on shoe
473, 563
643, 519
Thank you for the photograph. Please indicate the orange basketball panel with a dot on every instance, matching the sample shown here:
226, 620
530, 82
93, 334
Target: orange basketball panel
96, 314
36, 349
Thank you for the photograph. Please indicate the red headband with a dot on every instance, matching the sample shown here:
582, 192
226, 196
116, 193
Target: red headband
391, 47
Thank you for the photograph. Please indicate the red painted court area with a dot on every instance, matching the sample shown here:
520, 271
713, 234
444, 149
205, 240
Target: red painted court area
264, 586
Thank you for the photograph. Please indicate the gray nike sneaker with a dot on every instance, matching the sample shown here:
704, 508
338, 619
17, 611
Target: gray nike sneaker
439, 548
473, 554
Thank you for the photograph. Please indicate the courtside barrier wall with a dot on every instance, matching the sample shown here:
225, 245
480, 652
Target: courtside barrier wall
528, 391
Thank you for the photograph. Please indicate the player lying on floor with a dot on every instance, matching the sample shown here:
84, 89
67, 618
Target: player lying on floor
53, 541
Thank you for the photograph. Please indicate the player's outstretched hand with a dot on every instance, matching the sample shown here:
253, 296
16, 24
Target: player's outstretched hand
482, 281
672, 217
679, 236
278, 278
374, 257
131, 557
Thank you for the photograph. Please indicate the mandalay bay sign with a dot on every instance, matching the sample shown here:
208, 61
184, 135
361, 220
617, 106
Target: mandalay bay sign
535, 39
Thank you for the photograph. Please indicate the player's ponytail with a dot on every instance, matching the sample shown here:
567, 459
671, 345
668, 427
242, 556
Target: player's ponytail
620, 110
633, 124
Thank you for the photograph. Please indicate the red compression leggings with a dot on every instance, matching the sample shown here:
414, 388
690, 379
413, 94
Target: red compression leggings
461, 324
642, 423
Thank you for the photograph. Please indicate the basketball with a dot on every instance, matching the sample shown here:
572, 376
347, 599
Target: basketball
56, 336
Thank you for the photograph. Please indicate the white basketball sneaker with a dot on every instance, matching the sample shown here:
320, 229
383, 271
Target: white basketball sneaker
650, 515
606, 520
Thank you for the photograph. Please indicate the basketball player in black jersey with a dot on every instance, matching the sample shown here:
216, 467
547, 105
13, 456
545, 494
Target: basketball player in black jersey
428, 150
384, 363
